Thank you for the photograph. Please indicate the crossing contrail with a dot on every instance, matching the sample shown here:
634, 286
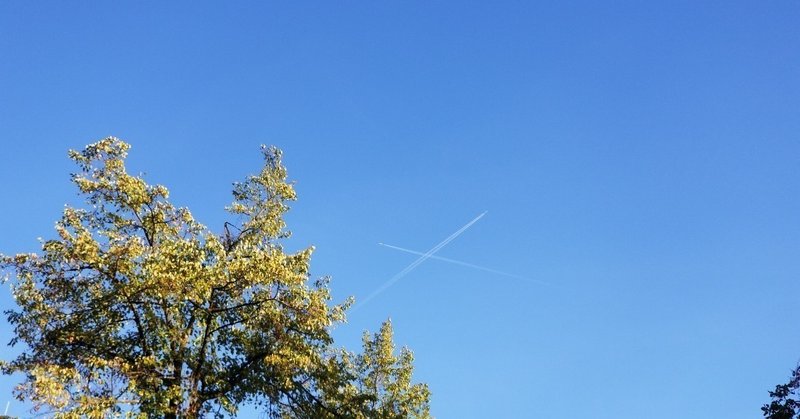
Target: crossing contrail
468, 265
417, 262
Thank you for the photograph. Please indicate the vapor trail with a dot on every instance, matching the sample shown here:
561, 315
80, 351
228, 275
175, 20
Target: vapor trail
417, 262
468, 265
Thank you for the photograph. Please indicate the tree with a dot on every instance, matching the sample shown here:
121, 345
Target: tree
138, 309
385, 379
785, 399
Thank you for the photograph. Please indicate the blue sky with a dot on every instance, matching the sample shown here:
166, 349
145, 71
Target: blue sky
642, 157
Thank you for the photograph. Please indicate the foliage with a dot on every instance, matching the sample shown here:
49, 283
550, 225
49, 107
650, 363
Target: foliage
137, 309
785, 399
386, 379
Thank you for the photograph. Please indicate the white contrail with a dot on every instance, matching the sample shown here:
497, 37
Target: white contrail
416, 263
469, 265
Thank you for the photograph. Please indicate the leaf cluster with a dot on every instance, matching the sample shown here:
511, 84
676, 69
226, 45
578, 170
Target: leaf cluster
785, 402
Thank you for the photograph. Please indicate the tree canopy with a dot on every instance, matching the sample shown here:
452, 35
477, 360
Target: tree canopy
137, 309
785, 402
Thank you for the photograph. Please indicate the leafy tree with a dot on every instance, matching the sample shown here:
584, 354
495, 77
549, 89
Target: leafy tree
137, 309
386, 379
785, 399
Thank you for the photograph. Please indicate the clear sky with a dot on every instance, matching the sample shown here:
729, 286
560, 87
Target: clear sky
643, 157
